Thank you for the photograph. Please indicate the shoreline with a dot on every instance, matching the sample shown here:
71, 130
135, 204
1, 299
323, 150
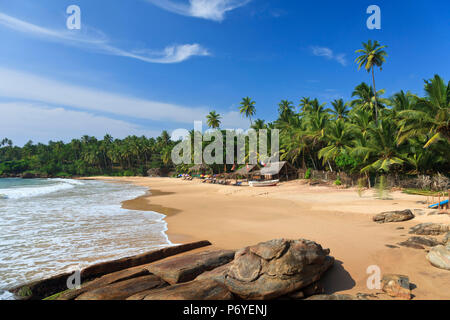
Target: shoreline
337, 218
234, 217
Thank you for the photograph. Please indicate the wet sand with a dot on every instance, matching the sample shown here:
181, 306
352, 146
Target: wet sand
233, 217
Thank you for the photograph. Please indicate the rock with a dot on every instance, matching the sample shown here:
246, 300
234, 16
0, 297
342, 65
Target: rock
41, 289
276, 268
446, 240
419, 242
393, 216
391, 246
396, 285
194, 290
218, 274
124, 289
400, 228
104, 281
429, 228
439, 257
332, 297
188, 267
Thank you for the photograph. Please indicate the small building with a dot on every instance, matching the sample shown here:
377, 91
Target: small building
282, 171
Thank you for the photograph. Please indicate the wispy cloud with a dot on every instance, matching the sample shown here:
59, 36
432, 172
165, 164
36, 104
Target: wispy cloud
329, 54
95, 40
207, 9
27, 87
22, 121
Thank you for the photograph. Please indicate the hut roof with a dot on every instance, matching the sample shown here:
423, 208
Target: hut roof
198, 167
244, 171
274, 168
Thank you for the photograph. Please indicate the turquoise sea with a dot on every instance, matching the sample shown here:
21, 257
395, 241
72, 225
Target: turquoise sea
50, 226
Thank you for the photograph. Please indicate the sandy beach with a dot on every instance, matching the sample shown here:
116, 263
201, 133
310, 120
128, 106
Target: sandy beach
233, 217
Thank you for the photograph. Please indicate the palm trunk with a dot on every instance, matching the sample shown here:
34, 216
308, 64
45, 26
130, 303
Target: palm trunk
375, 95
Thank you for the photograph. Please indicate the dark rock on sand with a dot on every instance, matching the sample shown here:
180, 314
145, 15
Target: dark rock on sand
439, 257
218, 274
193, 290
124, 289
429, 228
393, 216
333, 297
396, 285
41, 289
276, 268
188, 267
419, 242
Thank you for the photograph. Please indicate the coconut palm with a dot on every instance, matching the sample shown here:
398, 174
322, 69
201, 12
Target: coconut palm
431, 116
366, 100
259, 124
372, 55
285, 110
213, 120
340, 109
339, 138
248, 108
380, 150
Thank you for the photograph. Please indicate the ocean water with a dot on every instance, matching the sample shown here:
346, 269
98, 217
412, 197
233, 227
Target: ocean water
51, 226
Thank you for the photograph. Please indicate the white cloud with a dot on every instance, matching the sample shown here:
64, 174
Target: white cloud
28, 87
206, 9
94, 40
329, 54
21, 122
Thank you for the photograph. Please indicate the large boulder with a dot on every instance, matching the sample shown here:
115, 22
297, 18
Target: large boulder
419, 242
275, 268
193, 290
439, 257
446, 240
429, 228
123, 289
396, 285
394, 216
218, 274
188, 267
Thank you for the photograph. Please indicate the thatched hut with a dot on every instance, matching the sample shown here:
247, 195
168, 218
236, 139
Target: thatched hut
199, 169
282, 170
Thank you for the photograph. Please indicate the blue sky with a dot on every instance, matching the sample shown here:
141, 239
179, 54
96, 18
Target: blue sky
140, 66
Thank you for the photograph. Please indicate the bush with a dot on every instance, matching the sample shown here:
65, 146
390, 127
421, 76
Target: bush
338, 182
308, 174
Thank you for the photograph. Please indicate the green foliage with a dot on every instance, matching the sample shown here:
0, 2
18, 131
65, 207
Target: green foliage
308, 174
338, 182
382, 189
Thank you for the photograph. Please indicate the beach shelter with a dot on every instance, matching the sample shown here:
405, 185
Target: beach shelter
199, 169
282, 171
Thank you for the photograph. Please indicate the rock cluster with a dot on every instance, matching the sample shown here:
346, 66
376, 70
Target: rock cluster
429, 228
393, 216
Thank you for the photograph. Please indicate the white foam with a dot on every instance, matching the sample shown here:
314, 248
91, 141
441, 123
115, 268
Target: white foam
27, 192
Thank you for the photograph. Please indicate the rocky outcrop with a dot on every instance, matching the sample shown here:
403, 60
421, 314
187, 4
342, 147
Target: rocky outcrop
44, 288
188, 267
393, 216
217, 274
396, 285
419, 242
275, 268
446, 240
193, 290
439, 257
332, 297
123, 289
429, 228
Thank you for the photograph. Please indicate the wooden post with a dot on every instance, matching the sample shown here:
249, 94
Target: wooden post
439, 201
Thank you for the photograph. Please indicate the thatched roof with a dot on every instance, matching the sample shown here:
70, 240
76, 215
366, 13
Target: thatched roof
274, 168
199, 167
244, 171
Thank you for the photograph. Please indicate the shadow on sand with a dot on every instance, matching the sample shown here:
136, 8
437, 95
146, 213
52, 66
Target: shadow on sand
337, 279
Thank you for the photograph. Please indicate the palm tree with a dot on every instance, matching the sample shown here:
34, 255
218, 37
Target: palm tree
213, 120
285, 110
248, 108
380, 151
340, 110
431, 116
259, 124
366, 99
339, 139
372, 55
